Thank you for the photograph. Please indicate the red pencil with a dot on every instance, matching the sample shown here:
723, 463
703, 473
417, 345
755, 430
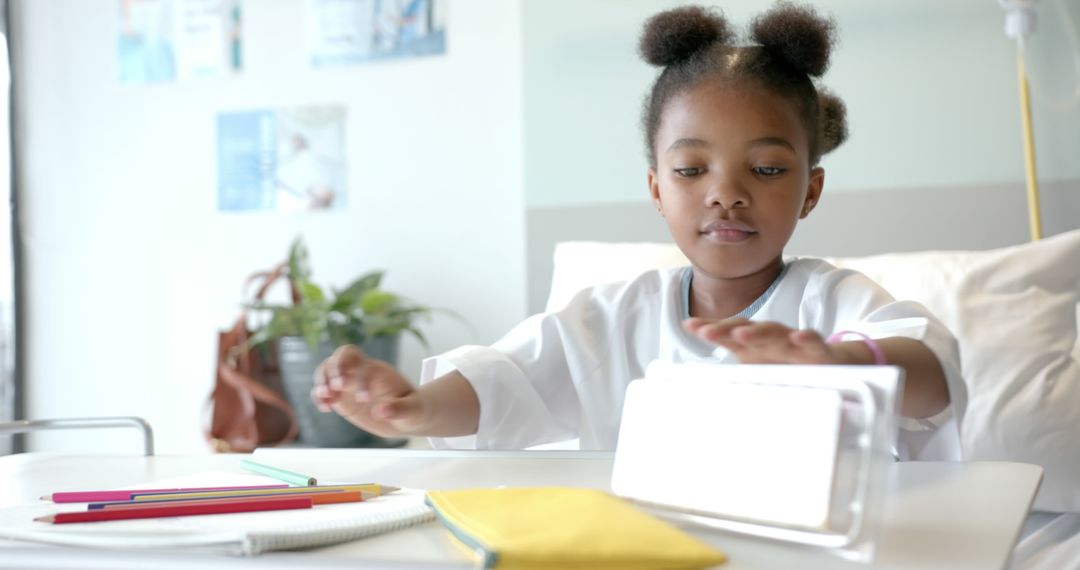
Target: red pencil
219, 507
125, 495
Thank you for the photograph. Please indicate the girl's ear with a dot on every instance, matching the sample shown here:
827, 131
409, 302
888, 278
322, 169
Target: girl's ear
813, 191
654, 190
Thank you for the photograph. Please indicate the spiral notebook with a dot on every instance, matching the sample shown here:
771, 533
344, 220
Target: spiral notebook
244, 534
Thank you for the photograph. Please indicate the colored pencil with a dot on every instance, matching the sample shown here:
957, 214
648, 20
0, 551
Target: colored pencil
368, 487
290, 477
125, 495
318, 498
220, 507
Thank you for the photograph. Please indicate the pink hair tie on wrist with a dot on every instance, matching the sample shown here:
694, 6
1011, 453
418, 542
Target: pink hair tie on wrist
875, 349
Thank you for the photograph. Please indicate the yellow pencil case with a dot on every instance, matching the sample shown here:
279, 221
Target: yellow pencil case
566, 528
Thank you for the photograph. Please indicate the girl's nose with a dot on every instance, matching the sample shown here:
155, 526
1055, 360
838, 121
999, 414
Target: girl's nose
727, 194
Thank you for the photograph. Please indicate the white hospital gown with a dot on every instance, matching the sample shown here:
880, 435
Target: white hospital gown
562, 375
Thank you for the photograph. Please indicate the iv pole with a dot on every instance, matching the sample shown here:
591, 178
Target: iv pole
1020, 21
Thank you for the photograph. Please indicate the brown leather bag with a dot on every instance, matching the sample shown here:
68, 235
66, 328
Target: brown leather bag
249, 409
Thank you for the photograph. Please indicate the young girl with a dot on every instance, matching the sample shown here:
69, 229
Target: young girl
734, 135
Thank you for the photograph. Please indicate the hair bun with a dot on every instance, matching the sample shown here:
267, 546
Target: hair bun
833, 121
798, 35
676, 35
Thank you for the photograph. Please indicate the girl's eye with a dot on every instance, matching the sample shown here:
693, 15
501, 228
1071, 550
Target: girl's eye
689, 172
768, 171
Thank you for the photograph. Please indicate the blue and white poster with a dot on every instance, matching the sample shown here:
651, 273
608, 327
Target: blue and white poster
282, 160
160, 41
341, 32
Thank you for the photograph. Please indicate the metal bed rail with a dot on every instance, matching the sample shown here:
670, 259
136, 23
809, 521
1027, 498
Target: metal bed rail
25, 426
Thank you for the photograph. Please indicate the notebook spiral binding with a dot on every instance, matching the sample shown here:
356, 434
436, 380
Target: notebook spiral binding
335, 532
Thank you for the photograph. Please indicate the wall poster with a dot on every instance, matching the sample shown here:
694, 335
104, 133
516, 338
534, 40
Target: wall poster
161, 41
282, 160
341, 32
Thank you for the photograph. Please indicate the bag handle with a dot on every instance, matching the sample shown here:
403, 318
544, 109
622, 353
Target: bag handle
268, 279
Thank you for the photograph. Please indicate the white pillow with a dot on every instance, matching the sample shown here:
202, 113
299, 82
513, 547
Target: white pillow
1014, 311
581, 264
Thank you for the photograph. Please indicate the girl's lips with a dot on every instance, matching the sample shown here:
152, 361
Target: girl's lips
728, 235
727, 231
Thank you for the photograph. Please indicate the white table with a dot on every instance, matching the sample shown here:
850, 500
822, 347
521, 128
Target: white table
940, 515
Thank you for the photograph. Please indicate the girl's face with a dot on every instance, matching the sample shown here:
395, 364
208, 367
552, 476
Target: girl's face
732, 177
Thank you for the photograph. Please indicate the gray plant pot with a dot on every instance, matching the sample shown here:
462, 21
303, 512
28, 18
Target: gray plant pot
318, 429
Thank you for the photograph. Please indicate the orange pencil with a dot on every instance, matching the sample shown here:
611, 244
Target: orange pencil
321, 498
366, 487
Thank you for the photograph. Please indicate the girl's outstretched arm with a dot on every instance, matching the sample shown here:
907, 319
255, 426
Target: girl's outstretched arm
373, 395
925, 390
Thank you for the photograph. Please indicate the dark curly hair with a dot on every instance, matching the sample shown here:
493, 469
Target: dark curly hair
791, 45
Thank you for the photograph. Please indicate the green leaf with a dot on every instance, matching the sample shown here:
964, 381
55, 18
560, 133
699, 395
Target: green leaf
312, 324
354, 332
377, 301
281, 324
258, 337
411, 313
350, 296
299, 266
309, 291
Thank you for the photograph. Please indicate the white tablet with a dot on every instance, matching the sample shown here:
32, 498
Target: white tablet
769, 445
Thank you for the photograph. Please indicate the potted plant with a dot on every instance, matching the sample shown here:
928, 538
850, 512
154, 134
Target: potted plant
309, 330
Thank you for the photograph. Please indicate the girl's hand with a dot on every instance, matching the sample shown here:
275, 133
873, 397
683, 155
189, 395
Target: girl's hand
369, 393
926, 392
766, 342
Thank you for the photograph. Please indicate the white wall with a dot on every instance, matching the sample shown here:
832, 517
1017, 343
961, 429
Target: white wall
130, 270
930, 87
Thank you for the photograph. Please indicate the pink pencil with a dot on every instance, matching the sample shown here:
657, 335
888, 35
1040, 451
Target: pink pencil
125, 495
219, 507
